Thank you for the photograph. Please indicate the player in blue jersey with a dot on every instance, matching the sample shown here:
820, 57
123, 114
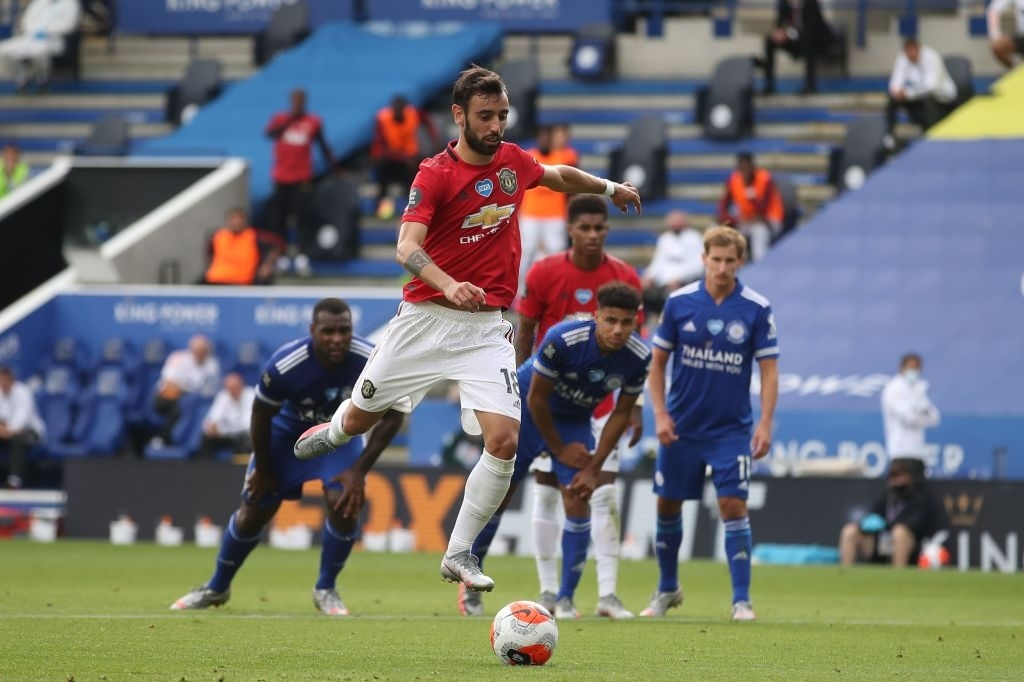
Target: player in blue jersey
577, 365
713, 330
302, 384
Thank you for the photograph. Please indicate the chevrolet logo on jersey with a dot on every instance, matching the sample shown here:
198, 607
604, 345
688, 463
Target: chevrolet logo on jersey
490, 216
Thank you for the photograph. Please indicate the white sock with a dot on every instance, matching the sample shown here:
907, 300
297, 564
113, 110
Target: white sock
486, 486
604, 531
338, 435
546, 531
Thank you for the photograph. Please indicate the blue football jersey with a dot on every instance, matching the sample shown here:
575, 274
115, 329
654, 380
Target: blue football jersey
306, 391
713, 349
583, 377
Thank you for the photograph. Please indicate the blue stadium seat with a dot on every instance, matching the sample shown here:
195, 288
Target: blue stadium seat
151, 362
99, 425
248, 361
187, 432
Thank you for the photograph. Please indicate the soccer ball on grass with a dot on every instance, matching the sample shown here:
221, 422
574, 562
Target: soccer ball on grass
523, 633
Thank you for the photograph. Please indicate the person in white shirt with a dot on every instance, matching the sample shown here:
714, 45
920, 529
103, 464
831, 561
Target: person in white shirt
44, 24
906, 413
21, 427
921, 85
1004, 46
676, 261
227, 423
188, 371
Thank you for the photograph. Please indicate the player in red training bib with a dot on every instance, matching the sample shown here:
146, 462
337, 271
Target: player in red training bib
460, 240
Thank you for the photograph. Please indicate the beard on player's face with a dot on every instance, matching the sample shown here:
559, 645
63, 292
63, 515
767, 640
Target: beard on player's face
486, 145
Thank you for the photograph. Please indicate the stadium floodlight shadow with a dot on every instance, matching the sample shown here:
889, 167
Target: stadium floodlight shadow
522, 80
288, 26
643, 157
110, 136
200, 84
725, 107
593, 56
862, 152
962, 73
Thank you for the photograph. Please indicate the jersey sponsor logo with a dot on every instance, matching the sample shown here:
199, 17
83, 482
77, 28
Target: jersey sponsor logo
415, 195
549, 351
730, 362
367, 389
489, 217
736, 331
507, 180
689, 326
715, 326
484, 188
584, 296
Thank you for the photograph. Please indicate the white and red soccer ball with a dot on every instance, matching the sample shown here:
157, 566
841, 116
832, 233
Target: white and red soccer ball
933, 556
524, 633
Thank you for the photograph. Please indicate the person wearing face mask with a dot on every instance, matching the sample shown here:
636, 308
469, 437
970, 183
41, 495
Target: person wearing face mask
906, 413
899, 524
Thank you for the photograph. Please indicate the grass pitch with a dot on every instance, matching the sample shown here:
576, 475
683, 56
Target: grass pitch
91, 611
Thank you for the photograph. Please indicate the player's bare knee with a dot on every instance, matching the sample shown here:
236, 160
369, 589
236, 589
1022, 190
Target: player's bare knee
501, 443
250, 520
732, 508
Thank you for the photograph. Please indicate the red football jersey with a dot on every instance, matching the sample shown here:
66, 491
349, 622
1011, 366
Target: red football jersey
556, 289
293, 150
472, 215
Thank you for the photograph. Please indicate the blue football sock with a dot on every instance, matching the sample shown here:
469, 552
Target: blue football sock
483, 540
233, 551
738, 542
667, 539
333, 555
575, 539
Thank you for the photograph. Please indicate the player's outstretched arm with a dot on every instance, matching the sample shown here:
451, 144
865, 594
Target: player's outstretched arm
412, 257
572, 180
353, 480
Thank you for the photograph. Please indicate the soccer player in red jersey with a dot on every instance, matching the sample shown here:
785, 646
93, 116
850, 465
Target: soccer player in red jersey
460, 240
559, 287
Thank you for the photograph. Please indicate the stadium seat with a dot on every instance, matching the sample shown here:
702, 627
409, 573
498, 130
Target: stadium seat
838, 51
862, 152
288, 26
522, 80
56, 399
331, 224
725, 108
962, 73
593, 56
154, 352
187, 432
791, 209
200, 84
248, 361
110, 136
99, 425
643, 157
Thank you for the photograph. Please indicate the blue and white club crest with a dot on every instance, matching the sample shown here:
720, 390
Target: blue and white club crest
584, 296
484, 188
613, 382
715, 326
595, 374
736, 331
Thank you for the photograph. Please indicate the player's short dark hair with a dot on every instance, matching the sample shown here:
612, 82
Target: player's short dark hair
587, 203
618, 294
476, 80
910, 357
331, 306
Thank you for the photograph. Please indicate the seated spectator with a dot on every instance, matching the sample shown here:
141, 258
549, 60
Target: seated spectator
396, 149
188, 371
241, 254
758, 205
898, 525
44, 24
21, 427
801, 30
921, 85
14, 172
1004, 46
676, 261
227, 423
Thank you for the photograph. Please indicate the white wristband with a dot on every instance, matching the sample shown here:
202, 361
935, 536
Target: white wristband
609, 188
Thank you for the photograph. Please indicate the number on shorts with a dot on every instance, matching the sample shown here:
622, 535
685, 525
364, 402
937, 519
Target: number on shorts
511, 380
744, 463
